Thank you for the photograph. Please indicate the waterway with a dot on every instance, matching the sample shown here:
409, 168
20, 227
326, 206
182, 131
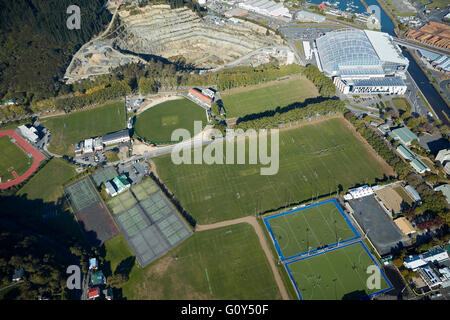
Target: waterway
438, 104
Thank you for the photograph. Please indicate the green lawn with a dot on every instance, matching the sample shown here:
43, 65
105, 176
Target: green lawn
240, 102
314, 160
309, 228
157, 123
47, 183
336, 275
402, 104
12, 158
225, 263
69, 129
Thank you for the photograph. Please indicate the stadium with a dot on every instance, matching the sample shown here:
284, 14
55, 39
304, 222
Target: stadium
362, 61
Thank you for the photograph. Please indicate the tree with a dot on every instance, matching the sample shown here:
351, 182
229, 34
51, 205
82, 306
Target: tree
117, 280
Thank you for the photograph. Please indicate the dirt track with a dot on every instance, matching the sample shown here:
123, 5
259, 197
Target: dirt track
262, 240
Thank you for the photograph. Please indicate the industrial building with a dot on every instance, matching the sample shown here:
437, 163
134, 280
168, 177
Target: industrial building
362, 61
266, 7
306, 16
116, 137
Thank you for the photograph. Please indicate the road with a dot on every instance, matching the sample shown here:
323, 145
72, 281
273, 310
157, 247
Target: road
262, 240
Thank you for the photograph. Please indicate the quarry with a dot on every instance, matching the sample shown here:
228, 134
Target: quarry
207, 43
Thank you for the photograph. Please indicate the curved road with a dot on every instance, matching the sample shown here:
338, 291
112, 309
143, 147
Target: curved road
262, 240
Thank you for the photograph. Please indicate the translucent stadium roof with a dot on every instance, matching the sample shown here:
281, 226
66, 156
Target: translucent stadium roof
347, 47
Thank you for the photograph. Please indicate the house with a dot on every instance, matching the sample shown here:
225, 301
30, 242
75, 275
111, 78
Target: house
97, 278
405, 226
404, 135
93, 264
18, 274
93, 293
445, 189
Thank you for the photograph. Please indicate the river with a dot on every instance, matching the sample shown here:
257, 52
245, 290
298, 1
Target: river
437, 103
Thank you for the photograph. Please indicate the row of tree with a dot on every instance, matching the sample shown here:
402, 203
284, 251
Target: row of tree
324, 84
294, 113
399, 166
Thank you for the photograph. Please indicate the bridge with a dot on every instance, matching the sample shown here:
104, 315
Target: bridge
413, 44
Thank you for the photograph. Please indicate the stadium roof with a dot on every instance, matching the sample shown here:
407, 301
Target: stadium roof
385, 48
357, 48
388, 81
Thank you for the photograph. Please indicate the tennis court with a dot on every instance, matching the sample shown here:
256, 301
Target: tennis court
91, 212
82, 194
150, 223
103, 175
122, 202
144, 189
309, 229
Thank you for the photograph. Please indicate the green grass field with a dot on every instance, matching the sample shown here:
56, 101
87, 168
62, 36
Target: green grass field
336, 275
309, 229
12, 158
257, 99
157, 123
225, 263
69, 129
314, 160
402, 104
47, 183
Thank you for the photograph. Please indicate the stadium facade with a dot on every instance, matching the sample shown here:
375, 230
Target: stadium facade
362, 61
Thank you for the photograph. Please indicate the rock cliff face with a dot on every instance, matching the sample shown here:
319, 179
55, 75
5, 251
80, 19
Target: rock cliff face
166, 32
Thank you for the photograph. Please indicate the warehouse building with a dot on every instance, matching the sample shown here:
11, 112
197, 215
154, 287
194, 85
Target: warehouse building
116, 137
362, 61
266, 7
403, 135
306, 16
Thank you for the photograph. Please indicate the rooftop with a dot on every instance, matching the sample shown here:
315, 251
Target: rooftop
404, 134
445, 189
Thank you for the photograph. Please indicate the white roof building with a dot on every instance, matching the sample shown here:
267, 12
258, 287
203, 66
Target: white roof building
443, 156
266, 7
29, 133
435, 254
88, 146
360, 192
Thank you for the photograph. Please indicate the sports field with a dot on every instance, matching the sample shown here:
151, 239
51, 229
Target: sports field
225, 263
69, 129
314, 160
157, 123
308, 228
255, 99
12, 158
47, 183
340, 274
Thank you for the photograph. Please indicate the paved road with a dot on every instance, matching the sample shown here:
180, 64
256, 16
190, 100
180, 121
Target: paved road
262, 240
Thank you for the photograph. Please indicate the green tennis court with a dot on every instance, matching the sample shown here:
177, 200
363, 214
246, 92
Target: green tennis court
144, 189
122, 202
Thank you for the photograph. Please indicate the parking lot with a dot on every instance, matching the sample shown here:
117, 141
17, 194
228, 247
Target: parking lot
380, 229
